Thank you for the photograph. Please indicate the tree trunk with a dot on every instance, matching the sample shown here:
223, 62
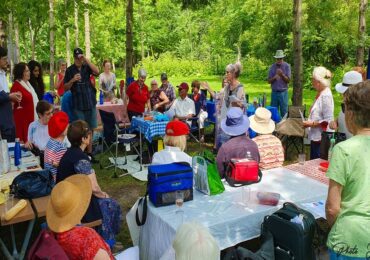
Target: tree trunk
17, 57
129, 38
68, 48
2, 33
87, 29
11, 45
297, 53
361, 33
32, 38
76, 23
142, 38
52, 42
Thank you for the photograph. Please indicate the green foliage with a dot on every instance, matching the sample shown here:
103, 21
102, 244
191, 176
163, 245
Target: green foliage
173, 66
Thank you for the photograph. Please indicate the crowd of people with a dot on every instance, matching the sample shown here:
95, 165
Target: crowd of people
64, 141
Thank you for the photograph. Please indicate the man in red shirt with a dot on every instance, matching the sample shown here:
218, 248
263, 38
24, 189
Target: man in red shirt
138, 96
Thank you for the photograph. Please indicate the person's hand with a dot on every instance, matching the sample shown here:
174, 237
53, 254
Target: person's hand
105, 195
307, 124
155, 107
77, 77
15, 96
279, 72
333, 125
205, 85
28, 145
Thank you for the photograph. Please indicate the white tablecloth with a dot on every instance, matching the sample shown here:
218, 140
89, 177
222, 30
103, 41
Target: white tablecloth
227, 218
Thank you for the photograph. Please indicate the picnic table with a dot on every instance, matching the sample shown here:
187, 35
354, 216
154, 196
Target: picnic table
29, 213
227, 218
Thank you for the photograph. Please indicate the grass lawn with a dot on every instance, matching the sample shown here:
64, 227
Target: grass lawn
126, 190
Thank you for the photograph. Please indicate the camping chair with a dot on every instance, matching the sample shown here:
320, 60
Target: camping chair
113, 135
290, 130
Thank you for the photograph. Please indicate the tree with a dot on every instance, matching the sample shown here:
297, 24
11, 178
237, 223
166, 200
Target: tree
52, 42
87, 29
361, 33
2, 33
76, 23
129, 38
66, 24
297, 53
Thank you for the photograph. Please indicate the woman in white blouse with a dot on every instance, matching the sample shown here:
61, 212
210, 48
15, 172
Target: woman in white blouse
107, 81
322, 110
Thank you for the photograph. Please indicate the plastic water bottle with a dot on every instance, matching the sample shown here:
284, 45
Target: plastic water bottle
332, 143
101, 98
17, 153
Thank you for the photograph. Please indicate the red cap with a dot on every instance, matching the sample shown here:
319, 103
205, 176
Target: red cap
184, 85
177, 128
57, 124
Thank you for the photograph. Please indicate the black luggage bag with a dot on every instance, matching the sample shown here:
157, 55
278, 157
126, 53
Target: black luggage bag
291, 240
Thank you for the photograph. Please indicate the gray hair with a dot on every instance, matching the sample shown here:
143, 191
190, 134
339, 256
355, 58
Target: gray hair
193, 241
323, 75
235, 68
153, 81
142, 73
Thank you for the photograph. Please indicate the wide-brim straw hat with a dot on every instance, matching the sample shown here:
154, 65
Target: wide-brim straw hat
261, 121
235, 123
68, 203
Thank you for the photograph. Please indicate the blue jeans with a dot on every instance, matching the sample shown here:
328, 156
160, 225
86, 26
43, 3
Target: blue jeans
87, 115
335, 256
280, 101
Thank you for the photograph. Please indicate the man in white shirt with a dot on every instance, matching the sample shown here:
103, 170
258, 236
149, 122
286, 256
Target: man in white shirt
7, 128
184, 107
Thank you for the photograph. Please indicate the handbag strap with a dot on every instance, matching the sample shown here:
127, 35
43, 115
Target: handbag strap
232, 183
143, 200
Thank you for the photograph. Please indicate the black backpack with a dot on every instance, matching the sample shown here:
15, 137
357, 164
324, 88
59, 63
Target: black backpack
291, 240
30, 185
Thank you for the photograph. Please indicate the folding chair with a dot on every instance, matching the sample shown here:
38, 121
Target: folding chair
290, 130
113, 135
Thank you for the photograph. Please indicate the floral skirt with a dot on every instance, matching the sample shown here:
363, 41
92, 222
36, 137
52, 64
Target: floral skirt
111, 222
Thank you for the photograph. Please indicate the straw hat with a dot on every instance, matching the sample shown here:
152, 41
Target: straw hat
235, 123
68, 203
261, 121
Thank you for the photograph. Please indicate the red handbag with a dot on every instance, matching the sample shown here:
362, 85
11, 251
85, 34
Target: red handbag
241, 172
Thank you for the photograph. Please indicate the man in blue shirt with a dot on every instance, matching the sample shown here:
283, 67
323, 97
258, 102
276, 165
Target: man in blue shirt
77, 79
279, 77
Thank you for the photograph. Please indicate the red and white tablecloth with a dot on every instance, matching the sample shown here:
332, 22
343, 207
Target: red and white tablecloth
310, 169
119, 110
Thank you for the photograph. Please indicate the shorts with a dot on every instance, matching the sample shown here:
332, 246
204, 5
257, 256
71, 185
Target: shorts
89, 116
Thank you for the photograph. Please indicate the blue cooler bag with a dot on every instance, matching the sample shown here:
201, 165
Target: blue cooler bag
165, 179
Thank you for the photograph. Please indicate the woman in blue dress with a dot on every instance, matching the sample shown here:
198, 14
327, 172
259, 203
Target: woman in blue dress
75, 161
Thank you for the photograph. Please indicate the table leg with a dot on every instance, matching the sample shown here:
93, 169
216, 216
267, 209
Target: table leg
27, 238
15, 252
5, 250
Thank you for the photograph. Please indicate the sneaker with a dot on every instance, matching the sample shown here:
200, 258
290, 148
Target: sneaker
201, 139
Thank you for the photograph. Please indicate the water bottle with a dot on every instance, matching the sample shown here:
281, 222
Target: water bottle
332, 143
101, 98
17, 153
